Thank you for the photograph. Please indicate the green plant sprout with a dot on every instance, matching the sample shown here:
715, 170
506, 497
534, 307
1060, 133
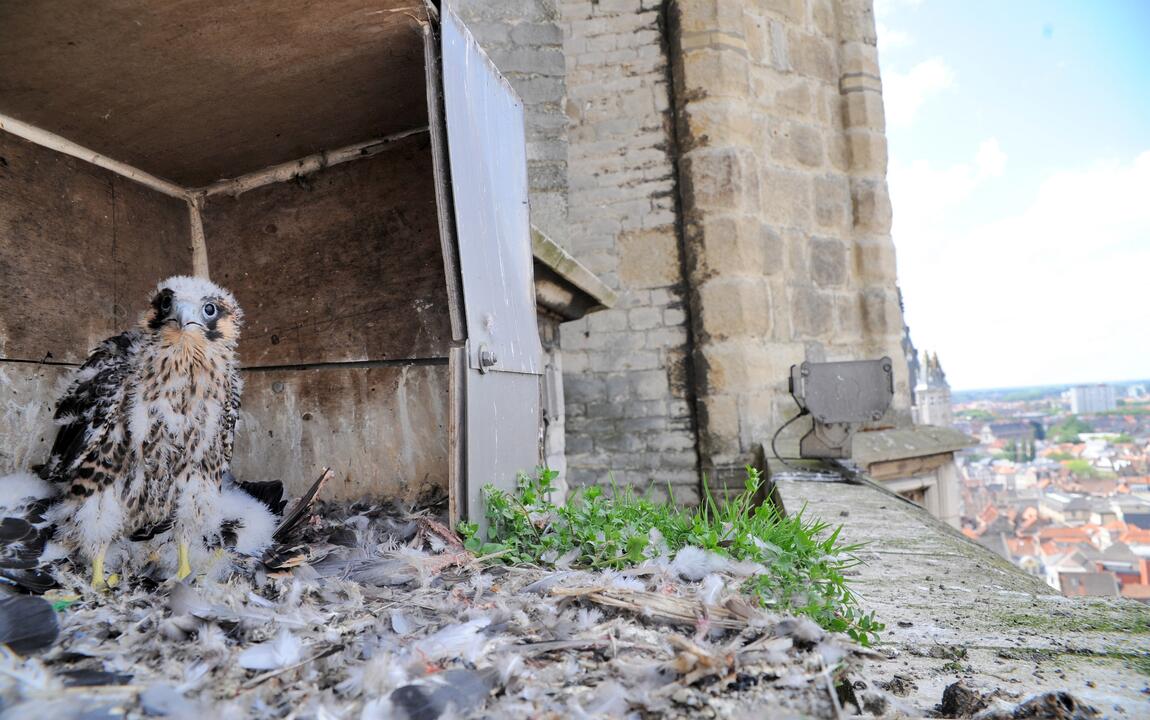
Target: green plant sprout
805, 559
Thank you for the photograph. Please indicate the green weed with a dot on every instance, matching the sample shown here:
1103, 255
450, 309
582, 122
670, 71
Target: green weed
804, 557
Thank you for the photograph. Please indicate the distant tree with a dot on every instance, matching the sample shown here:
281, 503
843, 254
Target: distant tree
1069, 430
1081, 468
1011, 451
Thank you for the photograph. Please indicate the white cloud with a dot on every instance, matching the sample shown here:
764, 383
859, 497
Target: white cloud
990, 159
904, 93
889, 38
921, 193
883, 8
1054, 293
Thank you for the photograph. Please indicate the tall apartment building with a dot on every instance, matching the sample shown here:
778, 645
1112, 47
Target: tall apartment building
1089, 399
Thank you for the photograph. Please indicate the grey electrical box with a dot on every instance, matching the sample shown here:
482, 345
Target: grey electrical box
839, 397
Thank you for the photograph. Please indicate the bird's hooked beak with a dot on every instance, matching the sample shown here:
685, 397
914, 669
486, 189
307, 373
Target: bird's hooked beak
187, 314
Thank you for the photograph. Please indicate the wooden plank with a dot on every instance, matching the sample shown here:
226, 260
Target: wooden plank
78, 249
151, 241
27, 401
383, 430
344, 265
195, 92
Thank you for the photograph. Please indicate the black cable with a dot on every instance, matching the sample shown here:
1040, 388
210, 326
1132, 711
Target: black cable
775, 438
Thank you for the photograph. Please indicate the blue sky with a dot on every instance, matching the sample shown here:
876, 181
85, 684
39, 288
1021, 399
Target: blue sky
1019, 138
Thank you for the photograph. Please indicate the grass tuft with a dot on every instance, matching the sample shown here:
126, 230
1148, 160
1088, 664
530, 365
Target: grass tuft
805, 559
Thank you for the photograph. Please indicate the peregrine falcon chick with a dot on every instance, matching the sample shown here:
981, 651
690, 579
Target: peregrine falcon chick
147, 426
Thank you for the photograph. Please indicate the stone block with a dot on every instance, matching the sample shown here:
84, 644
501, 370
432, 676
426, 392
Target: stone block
649, 259
856, 21
541, 61
881, 314
756, 423
811, 311
710, 16
792, 10
718, 121
787, 197
719, 424
539, 89
713, 72
805, 145
779, 47
859, 58
607, 321
666, 337
674, 317
734, 307
612, 360
864, 110
737, 365
644, 318
832, 202
848, 316
794, 100
537, 34
649, 385
729, 245
828, 262
823, 18
874, 261
725, 179
838, 154
797, 245
584, 389
867, 151
871, 208
813, 56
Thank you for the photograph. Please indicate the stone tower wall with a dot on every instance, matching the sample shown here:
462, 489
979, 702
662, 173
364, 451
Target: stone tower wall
721, 164
785, 205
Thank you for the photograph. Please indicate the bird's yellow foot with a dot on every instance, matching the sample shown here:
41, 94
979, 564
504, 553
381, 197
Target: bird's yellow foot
183, 568
99, 582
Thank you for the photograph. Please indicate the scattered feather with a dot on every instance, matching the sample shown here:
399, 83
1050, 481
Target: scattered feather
27, 624
284, 650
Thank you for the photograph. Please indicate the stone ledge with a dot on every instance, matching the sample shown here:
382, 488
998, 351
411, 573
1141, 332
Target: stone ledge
954, 610
875, 446
563, 285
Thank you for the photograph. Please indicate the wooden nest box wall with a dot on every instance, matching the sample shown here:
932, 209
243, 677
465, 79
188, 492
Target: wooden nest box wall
353, 170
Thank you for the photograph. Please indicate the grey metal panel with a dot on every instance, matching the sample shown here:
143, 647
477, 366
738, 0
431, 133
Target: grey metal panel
488, 160
503, 437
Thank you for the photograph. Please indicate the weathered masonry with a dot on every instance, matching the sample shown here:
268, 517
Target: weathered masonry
725, 173
353, 170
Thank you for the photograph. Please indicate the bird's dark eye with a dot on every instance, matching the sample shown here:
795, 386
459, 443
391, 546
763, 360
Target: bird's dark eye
209, 310
166, 303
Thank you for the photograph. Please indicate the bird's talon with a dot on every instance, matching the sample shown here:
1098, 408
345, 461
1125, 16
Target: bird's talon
184, 568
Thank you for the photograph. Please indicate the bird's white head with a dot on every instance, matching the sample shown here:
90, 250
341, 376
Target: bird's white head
184, 307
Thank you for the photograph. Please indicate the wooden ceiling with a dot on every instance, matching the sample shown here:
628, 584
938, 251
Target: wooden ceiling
194, 91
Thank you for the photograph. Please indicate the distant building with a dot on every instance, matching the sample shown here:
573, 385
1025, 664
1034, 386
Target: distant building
1090, 399
931, 397
910, 353
1017, 430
